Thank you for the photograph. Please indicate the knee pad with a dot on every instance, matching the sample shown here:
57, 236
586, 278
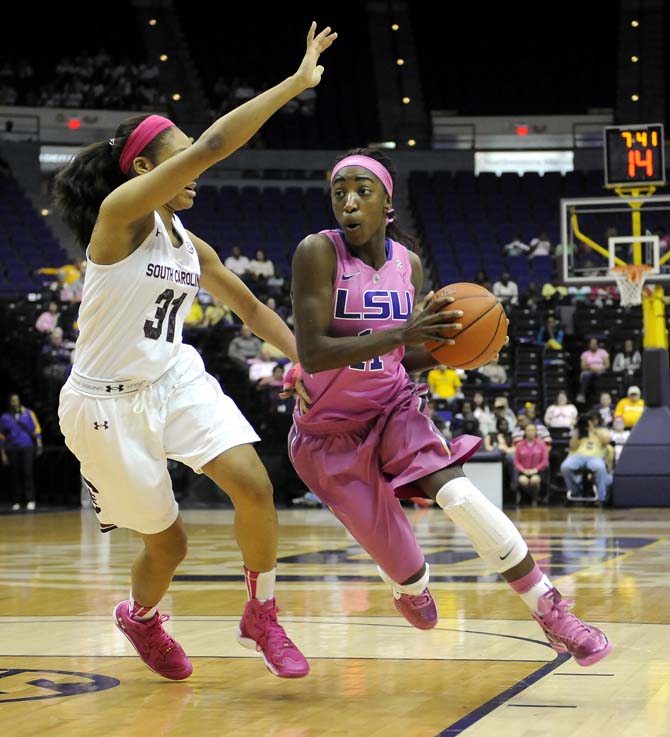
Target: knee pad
492, 534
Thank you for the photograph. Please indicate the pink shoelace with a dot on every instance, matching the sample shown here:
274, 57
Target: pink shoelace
273, 633
571, 625
157, 638
420, 601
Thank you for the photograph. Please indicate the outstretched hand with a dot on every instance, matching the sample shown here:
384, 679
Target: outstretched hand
309, 72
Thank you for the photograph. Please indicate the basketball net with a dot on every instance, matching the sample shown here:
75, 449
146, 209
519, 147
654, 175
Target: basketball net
630, 281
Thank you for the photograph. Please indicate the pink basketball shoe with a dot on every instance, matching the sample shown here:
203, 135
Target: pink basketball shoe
158, 650
567, 633
260, 631
420, 611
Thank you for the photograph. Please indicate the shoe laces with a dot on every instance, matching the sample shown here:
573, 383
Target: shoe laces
157, 638
420, 601
571, 625
271, 633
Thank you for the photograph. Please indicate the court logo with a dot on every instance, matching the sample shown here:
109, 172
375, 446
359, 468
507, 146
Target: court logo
27, 684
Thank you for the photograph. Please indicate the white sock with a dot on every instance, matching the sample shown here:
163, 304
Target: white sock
260, 585
532, 596
139, 612
412, 589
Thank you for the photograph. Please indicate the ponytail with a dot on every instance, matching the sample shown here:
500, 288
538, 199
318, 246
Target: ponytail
80, 187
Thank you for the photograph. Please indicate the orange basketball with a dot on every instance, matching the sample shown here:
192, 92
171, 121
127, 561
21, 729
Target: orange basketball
484, 330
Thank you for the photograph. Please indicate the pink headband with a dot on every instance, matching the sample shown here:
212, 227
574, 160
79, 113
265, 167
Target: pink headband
379, 170
140, 138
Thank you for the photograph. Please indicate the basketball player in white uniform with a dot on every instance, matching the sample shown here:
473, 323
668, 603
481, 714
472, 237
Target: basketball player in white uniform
137, 395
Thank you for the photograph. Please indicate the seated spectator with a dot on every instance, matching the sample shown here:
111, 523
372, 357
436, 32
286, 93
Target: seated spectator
605, 410
628, 361
522, 421
48, 319
483, 414
56, 362
594, 361
531, 460
481, 278
550, 335
462, 418
444, 383
516, 247
590, 450
561, 413
494, 372
244, 347
540, 245
501, 440
74, 289
217, 312
554, 292
502, 410
506, 290
260, 266
263, 365
236, 262
195, 316
619, 435
630, 407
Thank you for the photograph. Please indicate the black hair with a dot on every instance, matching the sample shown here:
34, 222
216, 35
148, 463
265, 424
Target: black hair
80, 187
393, 230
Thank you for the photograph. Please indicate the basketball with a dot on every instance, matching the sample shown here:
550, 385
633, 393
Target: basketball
484, 330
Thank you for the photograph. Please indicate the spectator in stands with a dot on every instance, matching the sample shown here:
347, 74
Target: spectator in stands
75, 288
550, 335
482, 278
619, 435
263, 366
502, 410
554, 292
260, 266
506, 290
562, 413
531, 460
56, 362
217, 312
590, 450
48, 319
627, 362
464, 421
605, 410
494, 372
540, 245
243, 348
630, 407
444, 383
236, 262
20, 442
594, 361
516, 247
523, 420
502, 441
483, 414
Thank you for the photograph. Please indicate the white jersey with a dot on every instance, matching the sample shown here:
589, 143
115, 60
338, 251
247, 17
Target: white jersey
132, 312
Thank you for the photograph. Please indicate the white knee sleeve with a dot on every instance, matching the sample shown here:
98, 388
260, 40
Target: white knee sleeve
492, 534
413, 589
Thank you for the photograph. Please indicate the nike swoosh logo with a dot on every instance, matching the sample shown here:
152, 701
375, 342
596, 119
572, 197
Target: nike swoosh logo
502, 557
349, 276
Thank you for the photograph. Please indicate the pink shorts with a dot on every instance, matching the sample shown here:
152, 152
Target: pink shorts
359, 469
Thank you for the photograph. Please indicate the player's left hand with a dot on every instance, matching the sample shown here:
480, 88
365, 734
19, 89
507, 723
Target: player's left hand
295, 387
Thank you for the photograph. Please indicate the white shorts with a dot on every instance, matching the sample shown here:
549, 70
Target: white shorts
124, 438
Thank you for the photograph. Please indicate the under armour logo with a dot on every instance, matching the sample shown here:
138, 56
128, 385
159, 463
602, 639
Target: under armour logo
104, 425
118, 388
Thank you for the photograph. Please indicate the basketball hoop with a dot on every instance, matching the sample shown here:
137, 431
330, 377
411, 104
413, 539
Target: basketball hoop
630, 281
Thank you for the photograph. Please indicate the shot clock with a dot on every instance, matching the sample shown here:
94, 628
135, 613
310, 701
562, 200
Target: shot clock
634, 154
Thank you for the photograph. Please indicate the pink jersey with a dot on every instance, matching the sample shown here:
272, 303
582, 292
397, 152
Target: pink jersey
364, 299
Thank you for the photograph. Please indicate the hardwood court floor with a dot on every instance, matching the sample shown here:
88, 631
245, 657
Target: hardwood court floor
485, 671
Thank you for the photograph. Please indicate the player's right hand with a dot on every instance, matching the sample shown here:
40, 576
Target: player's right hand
432, 322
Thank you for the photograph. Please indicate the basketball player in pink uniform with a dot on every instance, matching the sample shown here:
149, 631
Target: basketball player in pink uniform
365, 440
137, 395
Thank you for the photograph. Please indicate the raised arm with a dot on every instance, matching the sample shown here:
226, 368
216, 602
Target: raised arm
142, 195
